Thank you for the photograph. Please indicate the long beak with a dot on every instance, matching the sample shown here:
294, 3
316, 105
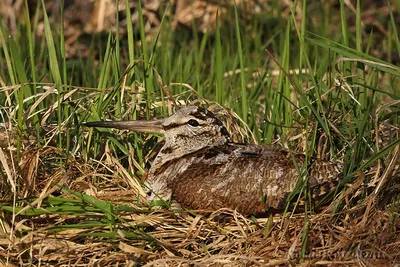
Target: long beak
154, 126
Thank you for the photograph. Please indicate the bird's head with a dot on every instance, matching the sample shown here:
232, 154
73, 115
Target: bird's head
193, 128
189, 129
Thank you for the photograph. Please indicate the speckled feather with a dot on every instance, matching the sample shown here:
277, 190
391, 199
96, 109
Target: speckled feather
249, 178
201, 168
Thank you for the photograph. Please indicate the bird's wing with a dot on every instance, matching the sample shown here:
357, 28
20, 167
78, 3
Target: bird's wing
248, 178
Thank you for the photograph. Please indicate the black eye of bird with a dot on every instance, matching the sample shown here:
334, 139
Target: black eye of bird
193, 123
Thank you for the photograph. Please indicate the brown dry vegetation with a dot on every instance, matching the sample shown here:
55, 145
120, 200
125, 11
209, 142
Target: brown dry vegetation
70, 209
360, 227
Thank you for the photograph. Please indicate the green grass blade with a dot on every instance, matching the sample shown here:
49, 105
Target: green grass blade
243, 88
343, 24
352, 53
63, 53
394, 27
358, 28
218, 63
7, 56
379, 155
23, 92
147, 70
54, 65
30, 45
303, 31
130, 34
345, 36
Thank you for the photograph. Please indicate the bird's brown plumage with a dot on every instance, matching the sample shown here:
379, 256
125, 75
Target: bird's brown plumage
202, 168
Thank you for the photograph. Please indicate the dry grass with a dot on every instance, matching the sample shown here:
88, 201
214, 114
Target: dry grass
105, 219
361, 234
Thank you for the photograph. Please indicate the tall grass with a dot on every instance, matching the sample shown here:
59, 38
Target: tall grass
270, 105
328, 86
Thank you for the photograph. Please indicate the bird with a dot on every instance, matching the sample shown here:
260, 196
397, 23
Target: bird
201, 168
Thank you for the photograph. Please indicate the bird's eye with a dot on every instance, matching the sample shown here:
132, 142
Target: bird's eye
193, 123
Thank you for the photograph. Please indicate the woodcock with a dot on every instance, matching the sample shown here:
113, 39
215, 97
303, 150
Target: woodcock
201, 168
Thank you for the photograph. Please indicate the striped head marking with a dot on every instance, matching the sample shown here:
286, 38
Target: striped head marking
198, 124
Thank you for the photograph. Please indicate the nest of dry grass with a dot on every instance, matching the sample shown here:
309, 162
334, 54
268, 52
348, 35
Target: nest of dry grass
360, 234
